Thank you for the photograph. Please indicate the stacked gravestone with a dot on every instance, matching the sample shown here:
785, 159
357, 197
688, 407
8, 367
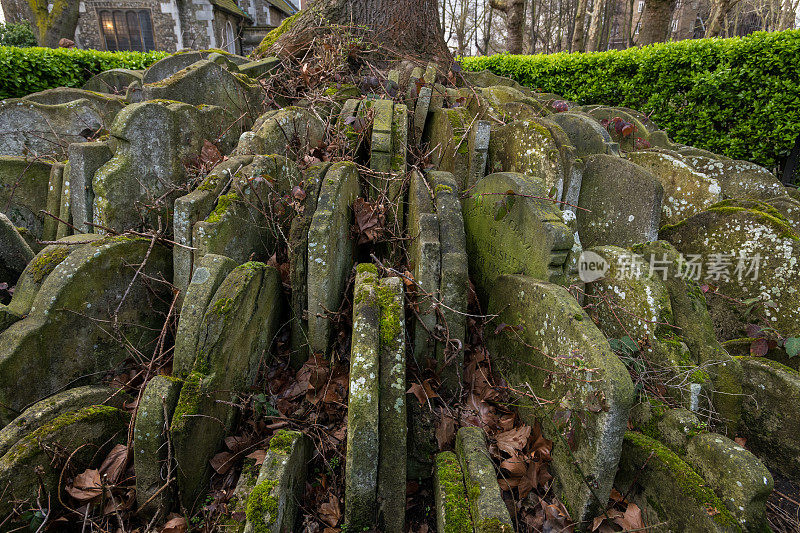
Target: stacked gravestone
553, 346
24, 192
237, 329
298, 261
512, 227
330, 250
376, 417
631, 302
141, 181
63, 337
41, 130
735, 475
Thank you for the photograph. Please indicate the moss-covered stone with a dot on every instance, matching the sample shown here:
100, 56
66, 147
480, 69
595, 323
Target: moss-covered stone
453, 280
762, 260
65, 336
452, 504
686, 191
361, 468
696, 329
487, 508
231, 347
632, 302
511, 229
448, 136
273, 503
194, 207
737, 179
29, 461
668, 487
620, 203
568, 361
151, 445
330, 250
24, 191
770, 426
392, 428
298, 262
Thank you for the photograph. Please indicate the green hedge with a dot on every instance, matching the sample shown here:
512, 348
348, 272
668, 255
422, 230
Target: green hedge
29, 70
739, 97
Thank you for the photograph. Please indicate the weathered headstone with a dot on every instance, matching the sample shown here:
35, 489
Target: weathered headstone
330, 250
211, 271
238, 326
195, 207
448, 139
24, 186
668, 490
273, 504
512, 228
585, 134
392, 428
770, 427
164, 68
298, 261
85, 159
143, 178
454, 279
29, 462
479, 137
686, 191
691, 317
44, 411
363, 411
288, 131
738, 179
620, 203
450, 493
65, 336
552, 345
425, 262
151, 446
528, 147
114, 81
39, 130
106, 105
15, 254
208, 83
631, 303
746, 253
488, 510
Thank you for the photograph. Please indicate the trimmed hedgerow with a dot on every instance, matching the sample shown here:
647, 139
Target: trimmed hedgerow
738, 97
29, 70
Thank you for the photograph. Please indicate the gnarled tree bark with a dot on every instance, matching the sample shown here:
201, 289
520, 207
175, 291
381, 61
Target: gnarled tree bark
404, 27
656, 21
50, 23
515, 22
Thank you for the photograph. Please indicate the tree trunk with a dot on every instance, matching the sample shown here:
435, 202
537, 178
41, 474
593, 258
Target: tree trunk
656, 21
577, 34
49, 25
515, 23
719, 10
402, 27
595, 26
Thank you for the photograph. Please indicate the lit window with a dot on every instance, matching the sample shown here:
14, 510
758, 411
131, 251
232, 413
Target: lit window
127, 29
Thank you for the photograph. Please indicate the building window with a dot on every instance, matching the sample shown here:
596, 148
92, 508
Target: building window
230, 38
127, 29
638, 27
640, 7
675, 25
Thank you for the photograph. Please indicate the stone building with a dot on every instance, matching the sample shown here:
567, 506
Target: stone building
175, 24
